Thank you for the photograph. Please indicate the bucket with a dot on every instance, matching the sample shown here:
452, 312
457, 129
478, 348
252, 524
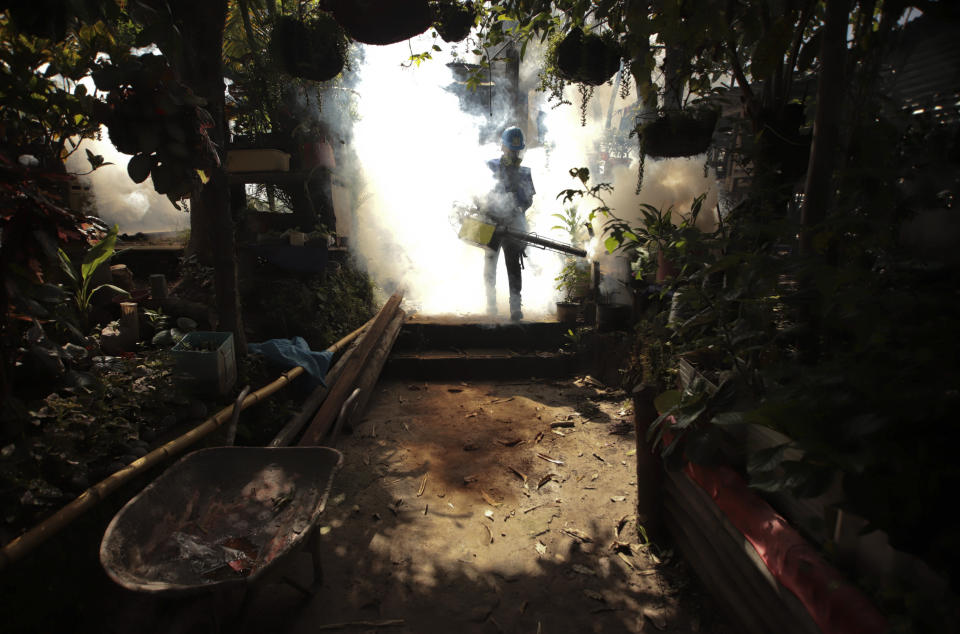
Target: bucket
567, 312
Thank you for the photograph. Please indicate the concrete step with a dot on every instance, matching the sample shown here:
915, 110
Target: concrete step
474, 347
486, 363
462, 332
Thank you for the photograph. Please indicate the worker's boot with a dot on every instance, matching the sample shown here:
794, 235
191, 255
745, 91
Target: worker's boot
515, 313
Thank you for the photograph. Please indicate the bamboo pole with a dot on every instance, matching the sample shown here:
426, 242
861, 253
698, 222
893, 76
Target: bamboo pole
46, 529
335, 348
313, 402
340, 390
371, 372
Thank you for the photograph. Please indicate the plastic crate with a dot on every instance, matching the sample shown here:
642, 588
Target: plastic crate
213, 368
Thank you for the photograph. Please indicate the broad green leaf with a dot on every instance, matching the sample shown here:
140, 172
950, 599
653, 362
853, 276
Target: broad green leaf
99, 253
67, 267
728, 418
688, 418
611, 244
767, 459
666, 401
115, 289
139, 167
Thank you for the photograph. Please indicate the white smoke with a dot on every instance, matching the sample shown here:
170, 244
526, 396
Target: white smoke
421, 157
117, 199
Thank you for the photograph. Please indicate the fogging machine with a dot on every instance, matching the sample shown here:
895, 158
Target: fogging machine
482, 234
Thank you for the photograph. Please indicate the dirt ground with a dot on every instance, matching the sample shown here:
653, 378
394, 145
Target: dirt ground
489, 507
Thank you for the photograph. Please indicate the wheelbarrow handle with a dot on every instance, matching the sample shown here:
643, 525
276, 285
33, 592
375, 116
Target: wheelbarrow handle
232, 427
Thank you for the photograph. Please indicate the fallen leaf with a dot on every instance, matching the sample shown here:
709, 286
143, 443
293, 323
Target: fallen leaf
489, 534
596, 596
470, 479
488, 498
577, 534
541, 547
488, 514
549, 459
538, 437
518, 473
423, 485
583, 570
546, 478
558, 433
618, 498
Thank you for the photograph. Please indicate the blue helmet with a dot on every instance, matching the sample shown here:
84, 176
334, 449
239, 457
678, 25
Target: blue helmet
512, 139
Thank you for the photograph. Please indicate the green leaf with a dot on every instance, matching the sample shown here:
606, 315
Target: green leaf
666, 401
728, 418
139, 167
98, 254
685, 419
67, 267
767, 459
611, 244
115, 289
703, 445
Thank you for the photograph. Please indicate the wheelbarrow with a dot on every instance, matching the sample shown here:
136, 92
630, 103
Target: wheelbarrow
220, 520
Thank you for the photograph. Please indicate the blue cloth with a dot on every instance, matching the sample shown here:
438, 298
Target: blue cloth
289, 353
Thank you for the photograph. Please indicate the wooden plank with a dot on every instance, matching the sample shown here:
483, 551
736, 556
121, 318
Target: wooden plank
371, 373
327, 414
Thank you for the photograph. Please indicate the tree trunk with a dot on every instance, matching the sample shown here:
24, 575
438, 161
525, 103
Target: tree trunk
818, 192
649, 467
200, 64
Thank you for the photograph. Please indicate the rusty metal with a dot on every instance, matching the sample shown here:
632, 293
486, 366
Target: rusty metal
224, 516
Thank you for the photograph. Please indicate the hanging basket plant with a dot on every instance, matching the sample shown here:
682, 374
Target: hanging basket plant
677, 134
453, 20
382, 21
586, 58
314, 49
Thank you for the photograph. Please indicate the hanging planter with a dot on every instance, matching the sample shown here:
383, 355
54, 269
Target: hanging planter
314, 49
453, 20
677, 134
586, 58
382, 21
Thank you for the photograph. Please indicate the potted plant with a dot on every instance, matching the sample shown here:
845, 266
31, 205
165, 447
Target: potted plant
585, 57
382, 21
572, 282
314, 48
677, 134
453, 20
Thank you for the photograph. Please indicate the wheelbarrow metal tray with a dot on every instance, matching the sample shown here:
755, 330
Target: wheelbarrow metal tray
217, 517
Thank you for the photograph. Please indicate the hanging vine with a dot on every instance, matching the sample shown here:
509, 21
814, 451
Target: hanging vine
586, 92
625, 85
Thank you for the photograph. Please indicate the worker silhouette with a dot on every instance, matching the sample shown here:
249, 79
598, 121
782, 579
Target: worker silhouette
506, 206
